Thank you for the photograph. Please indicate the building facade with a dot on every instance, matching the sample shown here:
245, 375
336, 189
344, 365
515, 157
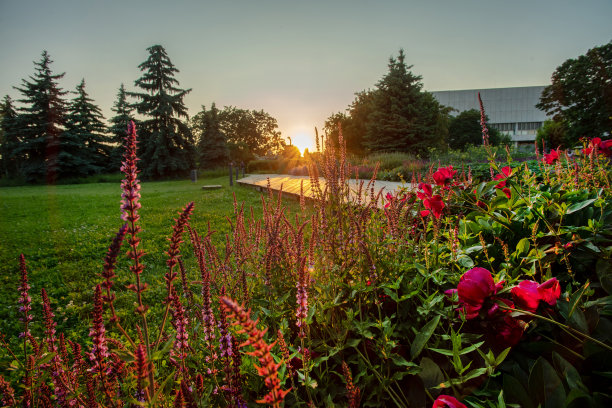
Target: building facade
510, 110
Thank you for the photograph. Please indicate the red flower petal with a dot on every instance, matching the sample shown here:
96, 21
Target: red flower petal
550, 291
447, 401
526, 295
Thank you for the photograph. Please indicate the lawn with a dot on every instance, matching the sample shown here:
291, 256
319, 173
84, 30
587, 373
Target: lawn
64, 232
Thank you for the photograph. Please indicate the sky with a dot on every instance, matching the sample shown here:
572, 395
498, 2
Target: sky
300, 61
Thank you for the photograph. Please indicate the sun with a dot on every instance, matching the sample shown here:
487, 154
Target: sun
303, 139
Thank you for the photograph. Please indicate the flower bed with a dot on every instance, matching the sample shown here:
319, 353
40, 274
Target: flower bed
462, 293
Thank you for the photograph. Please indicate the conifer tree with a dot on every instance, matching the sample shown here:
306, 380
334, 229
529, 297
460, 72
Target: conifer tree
403, 117
166, 147
212, 146
9, 139
85, 140
40, 122
119, 123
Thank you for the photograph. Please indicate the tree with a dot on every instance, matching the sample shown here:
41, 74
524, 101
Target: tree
465, 130
255, 130
552, 134
40, 123
581, 94
9, 139
354, 124
166, 143
404, 118
212, 147
85, 137
123, 114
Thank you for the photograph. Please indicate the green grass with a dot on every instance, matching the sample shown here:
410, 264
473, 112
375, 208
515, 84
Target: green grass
64, 232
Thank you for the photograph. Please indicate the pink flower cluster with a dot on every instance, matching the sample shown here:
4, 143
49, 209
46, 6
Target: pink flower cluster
477, 293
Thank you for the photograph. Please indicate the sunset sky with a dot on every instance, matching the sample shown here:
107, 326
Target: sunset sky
300, 61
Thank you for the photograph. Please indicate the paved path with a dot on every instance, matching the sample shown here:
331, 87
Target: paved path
291, 184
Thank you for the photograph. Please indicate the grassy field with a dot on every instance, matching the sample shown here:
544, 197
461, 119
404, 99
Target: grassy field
64, 232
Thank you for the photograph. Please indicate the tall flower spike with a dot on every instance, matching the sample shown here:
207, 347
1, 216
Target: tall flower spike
129, 209
99, 349
352, 392
268, 369
302, 300
483, 122
180, 347
108, 272
141, 372
24, 297
173, 250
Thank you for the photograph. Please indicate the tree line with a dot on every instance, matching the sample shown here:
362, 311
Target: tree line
44, 136
399, 116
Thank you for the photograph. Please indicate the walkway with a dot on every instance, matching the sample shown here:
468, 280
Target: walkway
291, 184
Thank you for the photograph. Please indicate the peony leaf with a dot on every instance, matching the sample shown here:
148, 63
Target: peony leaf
423, 336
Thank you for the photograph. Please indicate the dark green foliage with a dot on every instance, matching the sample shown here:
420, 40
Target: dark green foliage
166, 146
119, 123
404, 118
255, 131
581, 94
553, 134
40, 123
85, 140
9, 140
212, 146
397, 116
465, 130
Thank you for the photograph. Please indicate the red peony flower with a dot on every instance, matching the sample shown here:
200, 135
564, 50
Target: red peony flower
527, 294
432, 203
474, 287
550, 291
508, 331
605, 147
435, 204
444, 175
551, 157
447, 401
426, 193
506, 172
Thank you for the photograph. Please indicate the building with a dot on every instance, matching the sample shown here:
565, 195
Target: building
510, 110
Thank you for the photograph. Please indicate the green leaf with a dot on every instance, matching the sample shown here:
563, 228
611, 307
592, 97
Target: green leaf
604, 273
545, 385
46, 358
423, 336
579, 206
430, 373
522, 246
513, 388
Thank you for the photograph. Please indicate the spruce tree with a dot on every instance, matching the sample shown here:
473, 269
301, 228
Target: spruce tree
85, 139
40, 123
212, 147
403, 117
118, 128
166, 147
9, 140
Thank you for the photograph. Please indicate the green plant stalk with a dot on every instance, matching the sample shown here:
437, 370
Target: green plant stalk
563, 326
